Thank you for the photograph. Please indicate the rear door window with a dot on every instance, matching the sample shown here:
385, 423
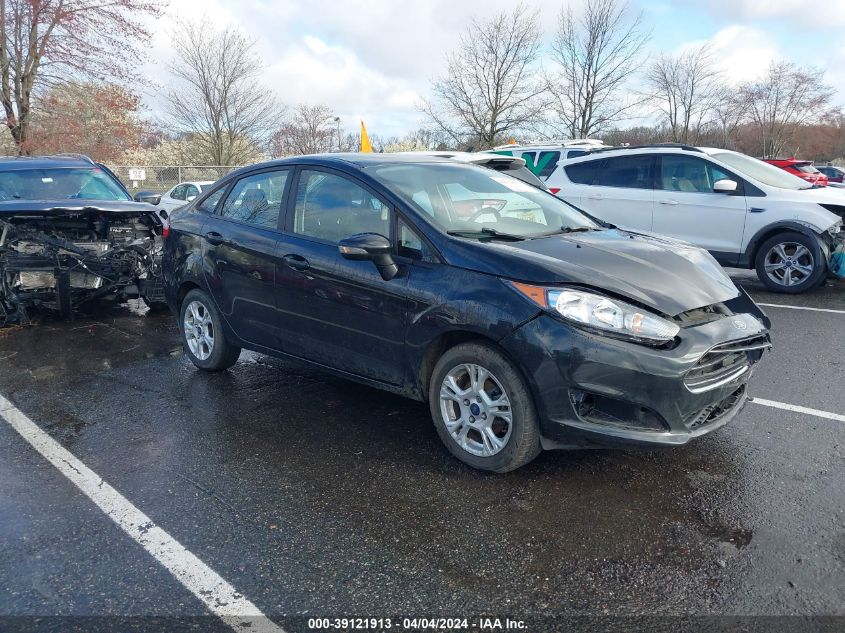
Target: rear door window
630, 172
257, 199
584, 173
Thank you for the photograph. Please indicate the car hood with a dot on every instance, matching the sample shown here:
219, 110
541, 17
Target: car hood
72, 207
820, 195
667, 275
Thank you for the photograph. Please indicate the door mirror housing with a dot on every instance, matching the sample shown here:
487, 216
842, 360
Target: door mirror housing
373, 247
150, 197
725, 186
191, 198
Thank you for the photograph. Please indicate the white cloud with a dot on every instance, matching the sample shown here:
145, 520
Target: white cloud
312, 71
743, 53
830, 13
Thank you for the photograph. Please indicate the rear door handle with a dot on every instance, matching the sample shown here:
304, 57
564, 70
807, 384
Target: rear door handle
216, 238
670, 202
297, 262
757, 209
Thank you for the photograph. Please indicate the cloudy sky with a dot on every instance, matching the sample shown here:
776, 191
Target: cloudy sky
374, 59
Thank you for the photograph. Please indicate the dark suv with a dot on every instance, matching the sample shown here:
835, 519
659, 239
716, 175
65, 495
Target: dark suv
525, 324
70, 233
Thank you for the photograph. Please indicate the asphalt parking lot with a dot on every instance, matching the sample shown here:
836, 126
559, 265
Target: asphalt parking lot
315, 497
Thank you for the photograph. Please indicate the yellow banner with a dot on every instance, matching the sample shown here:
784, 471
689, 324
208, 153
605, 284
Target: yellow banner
366, 147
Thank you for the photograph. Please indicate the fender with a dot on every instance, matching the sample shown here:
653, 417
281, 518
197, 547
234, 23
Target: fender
747, 257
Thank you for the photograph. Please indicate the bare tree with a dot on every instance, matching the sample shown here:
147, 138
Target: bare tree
595, 55
44, 42
491, 86
730, 111
686, 87
786, 97
309, 130
217, 96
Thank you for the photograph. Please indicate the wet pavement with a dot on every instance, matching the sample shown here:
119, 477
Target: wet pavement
319, 497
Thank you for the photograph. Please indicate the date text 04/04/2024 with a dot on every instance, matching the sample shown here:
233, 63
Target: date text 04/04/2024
417, 624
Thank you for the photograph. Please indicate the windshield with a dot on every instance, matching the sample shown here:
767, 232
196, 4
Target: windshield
59, 184
760, 171
471, 199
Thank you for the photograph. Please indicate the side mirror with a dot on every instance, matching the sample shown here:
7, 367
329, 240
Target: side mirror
373, 247
150, 197
191, 198
725, 186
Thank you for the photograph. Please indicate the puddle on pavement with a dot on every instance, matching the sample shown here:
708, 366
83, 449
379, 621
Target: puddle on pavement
102, 336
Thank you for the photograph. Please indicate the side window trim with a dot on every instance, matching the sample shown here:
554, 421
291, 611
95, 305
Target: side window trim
398, 217
225, 187
218, 210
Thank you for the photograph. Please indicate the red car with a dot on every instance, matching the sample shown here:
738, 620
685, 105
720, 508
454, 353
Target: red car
802, 168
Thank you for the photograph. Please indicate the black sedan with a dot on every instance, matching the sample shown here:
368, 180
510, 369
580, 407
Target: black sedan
525, 323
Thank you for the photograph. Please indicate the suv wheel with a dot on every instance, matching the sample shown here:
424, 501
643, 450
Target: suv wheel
790, 263
202, 333
482, 409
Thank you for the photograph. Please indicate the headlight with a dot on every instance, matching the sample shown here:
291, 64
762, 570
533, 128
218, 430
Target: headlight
834, 230
601, 312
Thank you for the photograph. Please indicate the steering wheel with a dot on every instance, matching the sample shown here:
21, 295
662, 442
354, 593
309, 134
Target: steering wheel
484, 211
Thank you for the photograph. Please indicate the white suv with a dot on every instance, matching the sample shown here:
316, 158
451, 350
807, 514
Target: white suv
747, 213
545, 159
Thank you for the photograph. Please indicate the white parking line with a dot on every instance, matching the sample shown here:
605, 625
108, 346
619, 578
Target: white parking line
221, 598
781, 305
793, 407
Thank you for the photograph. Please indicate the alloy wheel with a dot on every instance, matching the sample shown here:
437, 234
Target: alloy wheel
789, 263
476, 410
199, 330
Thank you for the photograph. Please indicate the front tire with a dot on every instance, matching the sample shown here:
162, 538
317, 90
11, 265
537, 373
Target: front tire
790, 263
202, 333
482, 409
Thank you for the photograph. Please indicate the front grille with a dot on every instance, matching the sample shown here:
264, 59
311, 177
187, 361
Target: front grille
716, 412
725, 362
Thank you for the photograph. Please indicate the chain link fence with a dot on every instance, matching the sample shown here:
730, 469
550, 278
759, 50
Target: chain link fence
161, 178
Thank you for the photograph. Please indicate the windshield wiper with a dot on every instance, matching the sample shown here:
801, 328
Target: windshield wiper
570, 229
488, 233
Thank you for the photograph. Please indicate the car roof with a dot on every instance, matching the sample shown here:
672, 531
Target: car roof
359, 160
58, 161
582, 143
660, 148
475, 158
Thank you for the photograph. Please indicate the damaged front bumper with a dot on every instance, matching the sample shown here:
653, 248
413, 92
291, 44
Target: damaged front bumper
593, 391
836, 261
60, 259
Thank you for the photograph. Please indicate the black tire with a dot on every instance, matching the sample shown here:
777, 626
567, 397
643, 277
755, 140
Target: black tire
222, 353
521, 443
790, 242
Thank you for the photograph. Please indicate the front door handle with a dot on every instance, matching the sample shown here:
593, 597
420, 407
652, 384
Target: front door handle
670, 202
297, 262
596, 196
216, 238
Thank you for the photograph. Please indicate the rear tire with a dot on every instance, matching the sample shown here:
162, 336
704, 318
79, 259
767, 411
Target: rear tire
790, 263
203, 335
483, 410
